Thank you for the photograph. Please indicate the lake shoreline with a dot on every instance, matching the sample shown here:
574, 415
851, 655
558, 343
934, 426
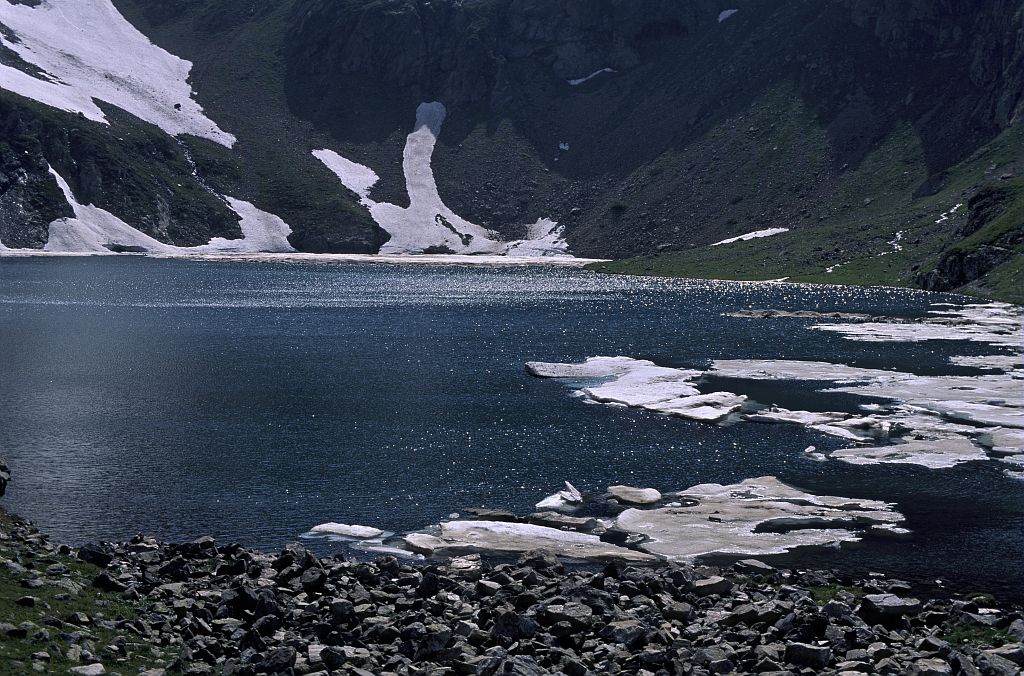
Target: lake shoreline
200, 606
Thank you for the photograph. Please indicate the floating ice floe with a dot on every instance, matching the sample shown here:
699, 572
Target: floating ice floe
755, 516
622, 381
567, 500
934, 421
931, 421
725, 14
501, 537
345, 530
631, 495
993, 362
578, 81
95, 230
427, 224
997, 324
752, 235
80, 51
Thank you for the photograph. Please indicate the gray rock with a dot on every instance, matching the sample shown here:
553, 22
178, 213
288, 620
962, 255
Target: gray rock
712, 585
629, 633
88, 670
995, 665
888, 606
749, 566
1013, 652
806, 655
932, 666
577, 614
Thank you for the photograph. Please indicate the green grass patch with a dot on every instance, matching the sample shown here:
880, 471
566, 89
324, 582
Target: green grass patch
823, 595
53, 601
976, 634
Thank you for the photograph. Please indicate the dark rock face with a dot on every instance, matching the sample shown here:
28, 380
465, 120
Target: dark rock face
5, 477
136, 172
29, 197
964, 262
959, 268
636, 174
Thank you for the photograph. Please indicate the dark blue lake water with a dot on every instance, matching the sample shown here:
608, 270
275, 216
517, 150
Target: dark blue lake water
252, 401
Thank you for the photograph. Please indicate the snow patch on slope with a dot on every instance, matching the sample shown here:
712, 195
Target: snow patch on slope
427, 223
543, 238
95, 230
88, 51
579, 81
753, 235
261, 232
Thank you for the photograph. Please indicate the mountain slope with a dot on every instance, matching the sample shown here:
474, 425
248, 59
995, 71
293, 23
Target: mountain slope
641, 129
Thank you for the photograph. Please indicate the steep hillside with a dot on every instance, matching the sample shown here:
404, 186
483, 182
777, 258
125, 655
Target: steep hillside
640, 129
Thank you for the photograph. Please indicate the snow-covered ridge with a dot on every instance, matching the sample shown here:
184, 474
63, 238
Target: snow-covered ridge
95, 230
427, 223
753, 235
86, 50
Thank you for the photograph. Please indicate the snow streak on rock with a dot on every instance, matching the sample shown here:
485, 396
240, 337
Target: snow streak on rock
427, 224
95, 230
261, 232
85, 50
752, 235
579, 81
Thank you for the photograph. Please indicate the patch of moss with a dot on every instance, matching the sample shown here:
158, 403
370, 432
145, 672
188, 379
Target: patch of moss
979, 635
823, 595
54, 601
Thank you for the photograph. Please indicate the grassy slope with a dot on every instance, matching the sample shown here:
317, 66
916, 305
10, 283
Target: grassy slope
54, 601
871, 203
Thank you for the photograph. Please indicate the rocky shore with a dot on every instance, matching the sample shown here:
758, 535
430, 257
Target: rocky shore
204, 607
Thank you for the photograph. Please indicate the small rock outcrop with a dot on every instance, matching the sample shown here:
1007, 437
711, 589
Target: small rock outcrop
5, 476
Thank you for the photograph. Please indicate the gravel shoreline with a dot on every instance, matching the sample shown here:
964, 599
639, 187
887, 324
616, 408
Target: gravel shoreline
204, 608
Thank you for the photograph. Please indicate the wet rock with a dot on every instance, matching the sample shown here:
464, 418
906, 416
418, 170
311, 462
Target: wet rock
715, 584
